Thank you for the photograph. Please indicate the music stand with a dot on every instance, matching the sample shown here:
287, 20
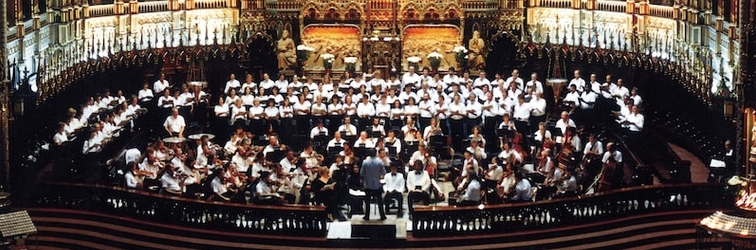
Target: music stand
333, 151
556, 133
505, 132
276, 156
349, 138
437, 140
362, 152
374, 134
392, 152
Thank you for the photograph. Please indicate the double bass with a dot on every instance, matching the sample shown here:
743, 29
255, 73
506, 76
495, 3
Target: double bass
607, 173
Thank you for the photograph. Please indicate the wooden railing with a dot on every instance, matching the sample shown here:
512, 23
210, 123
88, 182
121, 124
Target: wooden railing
288, 220
661, 11
210, 4
100, 10
283, 5
556, 4
454, 221
612, 6
158, 6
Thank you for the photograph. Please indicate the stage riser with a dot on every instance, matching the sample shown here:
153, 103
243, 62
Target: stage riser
77, 230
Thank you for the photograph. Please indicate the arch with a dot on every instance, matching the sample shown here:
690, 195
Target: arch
353, 15
332, 12
452, 12
431, 14
353, 9
410, 12
310, 11
260, 54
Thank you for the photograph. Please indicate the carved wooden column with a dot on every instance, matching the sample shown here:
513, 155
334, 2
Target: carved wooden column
4, 111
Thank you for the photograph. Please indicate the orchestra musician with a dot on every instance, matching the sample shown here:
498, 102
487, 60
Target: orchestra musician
611, 171
266, 192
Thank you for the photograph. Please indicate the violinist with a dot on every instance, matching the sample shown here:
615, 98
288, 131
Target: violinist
150, 166
259, 165
171, 181
470, 194
133, 177
243, 156
477, 150
311, 156
265, 193
223, 188
282, 177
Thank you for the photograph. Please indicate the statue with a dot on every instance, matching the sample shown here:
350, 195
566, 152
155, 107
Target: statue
285, 48
475, 46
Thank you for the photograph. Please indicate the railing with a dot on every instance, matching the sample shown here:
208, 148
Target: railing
306, 221
283, 5
612, 6
480, 5
556, 4
158, 6
210, 4
100, 10
454, 221
661, 11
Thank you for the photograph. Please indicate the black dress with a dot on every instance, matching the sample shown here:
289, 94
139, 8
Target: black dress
327, 197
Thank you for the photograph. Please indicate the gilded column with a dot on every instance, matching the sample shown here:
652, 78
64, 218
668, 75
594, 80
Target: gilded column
4, 109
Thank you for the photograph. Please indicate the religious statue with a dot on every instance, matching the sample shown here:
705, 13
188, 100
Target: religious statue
475, 46
285, 48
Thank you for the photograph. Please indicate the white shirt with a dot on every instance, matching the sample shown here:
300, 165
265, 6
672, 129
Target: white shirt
317, 131
382, 110
160, 86
538, 106
573, 97
537, 84
365, 110
588, 100
174, 124
518, 80
239, 113
60, 138
636, 120
539, 137
596, 148
369, 143
480, 82
170, 183
449, 79
490, 108
473, 108
145, 95
459, 108
615, 153
348, 129
579, 84
421, 179
561, 124
521, 111
394, 183
426, 109
231, 84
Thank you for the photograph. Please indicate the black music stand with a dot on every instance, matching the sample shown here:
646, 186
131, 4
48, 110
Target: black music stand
363, 152
276, 156
505, 132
